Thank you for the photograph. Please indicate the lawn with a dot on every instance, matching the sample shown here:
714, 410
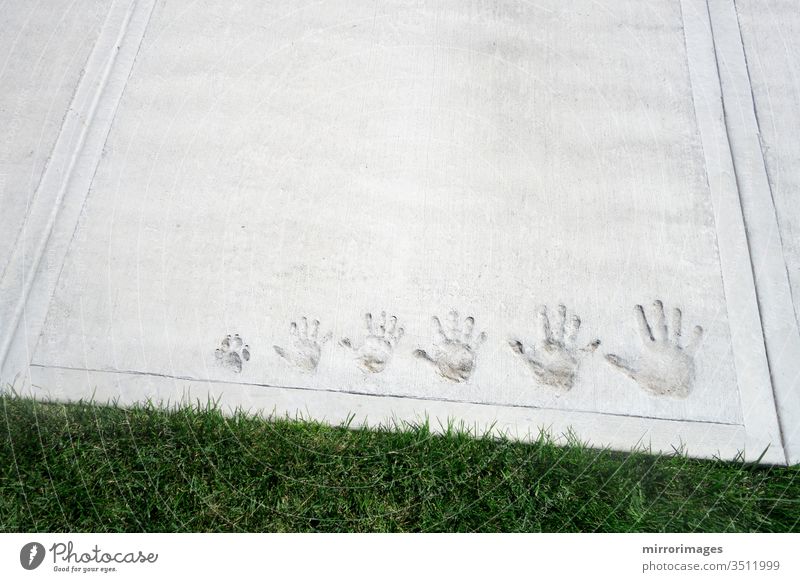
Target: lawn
83, 467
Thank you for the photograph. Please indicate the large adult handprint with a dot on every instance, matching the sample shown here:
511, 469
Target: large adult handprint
378, 347
555, 358
306, 346
453, 352
664, 367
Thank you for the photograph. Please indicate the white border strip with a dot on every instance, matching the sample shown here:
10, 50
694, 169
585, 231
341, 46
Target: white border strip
750, 357
440, 552
32, 273
697, 439
780, 330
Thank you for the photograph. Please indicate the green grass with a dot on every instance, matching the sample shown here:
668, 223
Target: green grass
83, 467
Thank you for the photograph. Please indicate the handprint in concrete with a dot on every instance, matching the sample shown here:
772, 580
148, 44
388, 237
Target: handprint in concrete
378, 347
306, 346
453, 352
664, 367
232, 353
555, 358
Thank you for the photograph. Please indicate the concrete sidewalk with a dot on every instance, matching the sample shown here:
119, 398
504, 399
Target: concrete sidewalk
568, 218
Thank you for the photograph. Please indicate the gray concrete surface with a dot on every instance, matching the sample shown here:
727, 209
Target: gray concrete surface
382, 209
44, 47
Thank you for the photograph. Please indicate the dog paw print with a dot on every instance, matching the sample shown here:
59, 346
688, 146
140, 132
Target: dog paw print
453, 352
306, 346
378, 347
232, 353
555, 358
664, 367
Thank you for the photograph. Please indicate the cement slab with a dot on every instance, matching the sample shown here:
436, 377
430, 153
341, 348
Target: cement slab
45, 46
771, 38
468, 168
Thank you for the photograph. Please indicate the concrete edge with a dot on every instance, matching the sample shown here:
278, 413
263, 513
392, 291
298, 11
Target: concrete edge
30, 279
622, 433
780, 330
749, 352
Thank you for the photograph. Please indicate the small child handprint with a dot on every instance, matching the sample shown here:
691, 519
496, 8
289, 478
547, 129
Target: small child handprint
453, 352
376, 351
555, 358
306, 345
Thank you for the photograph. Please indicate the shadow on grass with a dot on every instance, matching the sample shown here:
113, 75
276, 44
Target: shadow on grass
86, 467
